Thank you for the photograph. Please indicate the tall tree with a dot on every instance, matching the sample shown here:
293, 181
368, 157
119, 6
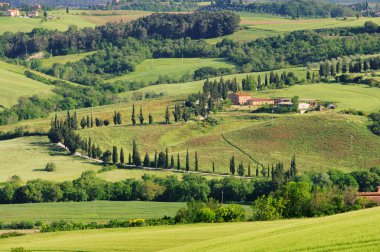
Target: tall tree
187, 161
136, 158
129, 159
172, 162
293, 167
240, 169
133, 118
196, 161
213, 167
232, 165
249, 169
122, 158
178, 162
146, 160
167, 115
114, 155
141, 117
166, 158
150, 119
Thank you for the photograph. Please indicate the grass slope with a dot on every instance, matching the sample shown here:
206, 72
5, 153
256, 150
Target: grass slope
360, 97
62, 21
320, 141
253, 26
98, 211
150, 70
15, 84
27, 157
354, 231
64, 59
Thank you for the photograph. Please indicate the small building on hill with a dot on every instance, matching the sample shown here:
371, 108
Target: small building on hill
4, 5
12, 13
375, 196
284, 100
260, 101
239, 98
32, 14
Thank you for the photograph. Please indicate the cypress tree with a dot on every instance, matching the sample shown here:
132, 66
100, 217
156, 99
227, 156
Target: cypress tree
133, 118
89, 147
172, 162
241, 170
114, 118
122, 159
83, 123
146, 160
178, 162
166, 158
308, 75
150, 119
187, 161
213, 167
141, 117
185, 114
249, 169
155, 159
293, 167
135, 154
196, 161
114, 155
232, 165
129, 159
91, 122
88, 123
257, 170
167, 115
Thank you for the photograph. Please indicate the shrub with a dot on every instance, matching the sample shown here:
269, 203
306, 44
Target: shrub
267, 208
50, 167
230, 213
136, 222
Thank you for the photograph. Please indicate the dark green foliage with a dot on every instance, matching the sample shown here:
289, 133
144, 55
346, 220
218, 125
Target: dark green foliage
115, 158
187, 161
122, 158
146, 160
133, 115
167, 115
136, 158
150, 119
178, 162
232, 165
161, 162
196, 161
141, 117
50, 167
241, 169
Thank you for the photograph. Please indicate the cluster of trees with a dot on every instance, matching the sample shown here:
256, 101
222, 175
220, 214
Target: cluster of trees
158, 26
292, 8
274, 80
157, 6
375, 125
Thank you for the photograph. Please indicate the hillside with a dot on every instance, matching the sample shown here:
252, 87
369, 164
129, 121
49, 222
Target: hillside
15, 84
353, 231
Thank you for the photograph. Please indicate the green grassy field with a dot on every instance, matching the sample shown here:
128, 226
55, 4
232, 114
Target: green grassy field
150, 70
253, 26
85, 212
49, 62
15, 84
62, 20
27, 157
353, 231
99, 211
359, 97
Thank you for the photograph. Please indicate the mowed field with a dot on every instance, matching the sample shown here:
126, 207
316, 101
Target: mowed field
253, 26
49, 62
28, 156
14, 84
353, 231
62, 20
150, 70
98, 211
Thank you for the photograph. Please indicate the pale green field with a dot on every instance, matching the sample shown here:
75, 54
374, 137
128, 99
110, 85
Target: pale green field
62, 20
150, 70
253, 26
49, 62
27, 156
99, 211
353, 231
359, 97
14, 84
85, 212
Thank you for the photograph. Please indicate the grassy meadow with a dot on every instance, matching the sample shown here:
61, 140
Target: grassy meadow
353, 231
253, 26
62, 21
49, 62
28, 156
14, 84
150, 70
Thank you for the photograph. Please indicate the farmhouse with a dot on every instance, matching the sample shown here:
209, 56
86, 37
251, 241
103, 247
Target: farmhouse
12, 13
375, 196
239, 98
3, 5
260, 101
32, 14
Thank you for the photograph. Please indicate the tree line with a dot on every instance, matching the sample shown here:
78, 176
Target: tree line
293, 8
